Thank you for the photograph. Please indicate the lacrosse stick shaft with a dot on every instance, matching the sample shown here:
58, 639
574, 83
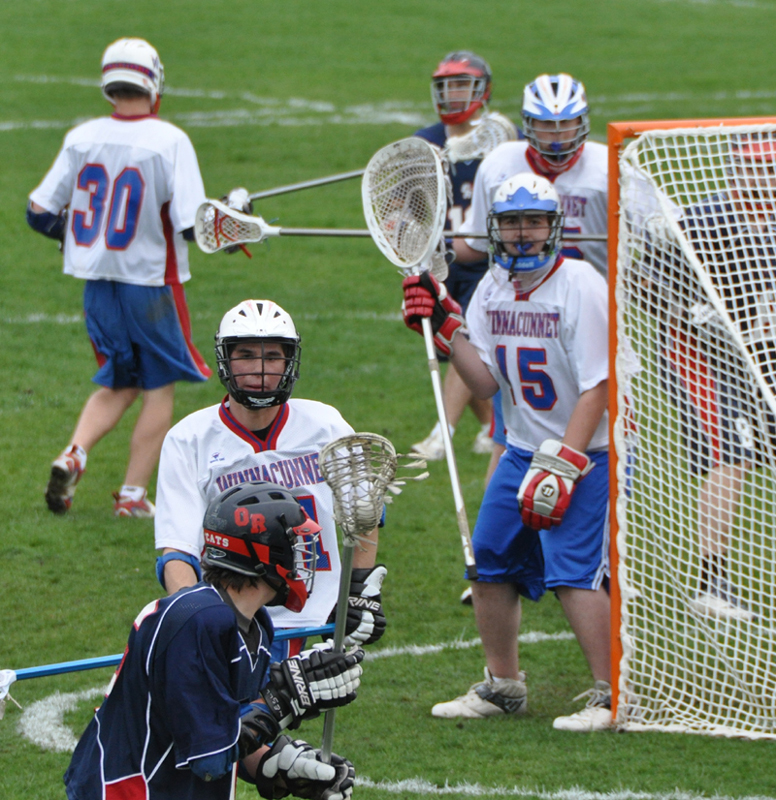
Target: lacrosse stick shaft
294, 187
452, 467
362, 233
340, 620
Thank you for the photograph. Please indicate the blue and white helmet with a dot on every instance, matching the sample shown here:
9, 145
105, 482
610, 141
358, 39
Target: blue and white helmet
555, 98
132, 62
523, 195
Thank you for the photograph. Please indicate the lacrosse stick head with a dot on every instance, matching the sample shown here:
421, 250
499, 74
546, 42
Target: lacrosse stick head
486, 134
217, 226
358, 469
404, 192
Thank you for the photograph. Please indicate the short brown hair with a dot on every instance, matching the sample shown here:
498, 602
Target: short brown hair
228, 578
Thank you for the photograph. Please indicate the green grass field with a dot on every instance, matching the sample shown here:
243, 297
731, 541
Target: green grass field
273, 93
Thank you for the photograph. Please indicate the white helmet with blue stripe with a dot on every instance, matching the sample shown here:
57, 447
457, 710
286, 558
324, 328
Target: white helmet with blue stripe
558, 100
525, 229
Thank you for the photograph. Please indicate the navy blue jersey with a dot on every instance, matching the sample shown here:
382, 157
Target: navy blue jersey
175, 697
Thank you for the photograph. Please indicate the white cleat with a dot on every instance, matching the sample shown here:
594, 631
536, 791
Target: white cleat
483, 444
721, 601
125, 506
66, 471
486, 699
595, 716
466, 596
432, 448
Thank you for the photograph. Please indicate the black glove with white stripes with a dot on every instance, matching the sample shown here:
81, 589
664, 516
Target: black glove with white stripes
366, 621
303, 686
294, 767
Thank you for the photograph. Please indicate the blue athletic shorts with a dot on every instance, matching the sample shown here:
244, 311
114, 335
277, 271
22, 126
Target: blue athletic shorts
576, 553
499, 435
141, 335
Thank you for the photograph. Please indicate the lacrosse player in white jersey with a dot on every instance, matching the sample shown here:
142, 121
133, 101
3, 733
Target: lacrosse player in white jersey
537, 328
460, 89
556, 125
259, 433
122, 195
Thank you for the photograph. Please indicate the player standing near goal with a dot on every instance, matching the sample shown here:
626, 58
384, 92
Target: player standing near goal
556, 124
460, 89
259, 432
193, 695
537, 327
734, 237
122, 195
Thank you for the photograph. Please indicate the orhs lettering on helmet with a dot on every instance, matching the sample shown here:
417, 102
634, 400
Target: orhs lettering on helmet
243, 517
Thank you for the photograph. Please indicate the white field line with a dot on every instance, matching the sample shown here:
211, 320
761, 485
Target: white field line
42, 722
259, 111
423, 788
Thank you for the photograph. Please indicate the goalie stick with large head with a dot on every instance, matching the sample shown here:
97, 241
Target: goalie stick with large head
486, 134
405, 194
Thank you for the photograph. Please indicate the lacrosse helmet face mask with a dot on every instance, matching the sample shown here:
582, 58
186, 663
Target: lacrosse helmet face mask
133, 62
260, 322
517, 199
752, 170
556, 119
260, 529
460, 86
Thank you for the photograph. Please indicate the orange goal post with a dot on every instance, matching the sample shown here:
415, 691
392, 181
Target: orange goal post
692, 277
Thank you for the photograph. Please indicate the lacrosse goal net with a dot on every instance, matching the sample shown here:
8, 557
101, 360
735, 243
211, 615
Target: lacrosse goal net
693, 327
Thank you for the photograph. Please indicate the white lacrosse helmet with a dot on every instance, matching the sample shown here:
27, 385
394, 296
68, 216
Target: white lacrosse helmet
521, 196
556, 99
265, 322
134, 62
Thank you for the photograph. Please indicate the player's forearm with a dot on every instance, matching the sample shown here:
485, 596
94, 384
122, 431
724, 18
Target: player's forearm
365, 554
177, 574
464, 254
586, 416
472, 369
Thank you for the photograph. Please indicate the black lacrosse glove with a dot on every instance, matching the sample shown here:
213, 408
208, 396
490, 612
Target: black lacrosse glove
424, 296
365, 622
238, 199
294, 767
303, 686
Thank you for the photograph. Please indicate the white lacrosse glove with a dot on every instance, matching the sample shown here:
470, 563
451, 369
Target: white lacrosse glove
294, 767
303, 686
366, 621
239, 199
546, 490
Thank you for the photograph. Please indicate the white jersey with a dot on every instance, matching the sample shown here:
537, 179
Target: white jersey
209, 451
544, 348
132, 185
583, 191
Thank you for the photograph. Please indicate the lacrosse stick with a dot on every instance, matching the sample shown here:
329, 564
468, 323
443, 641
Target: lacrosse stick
404, 192
293, 187
486, 135
358, 469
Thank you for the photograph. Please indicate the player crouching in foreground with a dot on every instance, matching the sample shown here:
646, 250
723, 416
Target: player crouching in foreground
191, 696
537, 327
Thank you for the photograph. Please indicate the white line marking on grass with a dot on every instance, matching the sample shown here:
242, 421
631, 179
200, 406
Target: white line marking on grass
43, 722
418, 786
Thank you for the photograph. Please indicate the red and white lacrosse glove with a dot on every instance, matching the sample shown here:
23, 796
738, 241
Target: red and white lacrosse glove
546, 490
424, 296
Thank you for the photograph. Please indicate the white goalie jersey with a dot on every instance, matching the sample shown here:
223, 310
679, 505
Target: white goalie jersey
583, 191
544, 349
131, 187
209, 451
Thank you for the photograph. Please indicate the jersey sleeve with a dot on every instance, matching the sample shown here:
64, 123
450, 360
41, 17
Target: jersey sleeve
200, 706
55, 190
587, 311
180, 506
188, 190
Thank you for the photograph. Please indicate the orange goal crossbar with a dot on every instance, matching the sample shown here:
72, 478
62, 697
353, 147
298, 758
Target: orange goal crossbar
617, 134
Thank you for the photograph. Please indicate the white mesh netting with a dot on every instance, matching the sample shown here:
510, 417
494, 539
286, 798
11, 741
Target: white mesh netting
217, 226
404, 196
486, 135
696, 430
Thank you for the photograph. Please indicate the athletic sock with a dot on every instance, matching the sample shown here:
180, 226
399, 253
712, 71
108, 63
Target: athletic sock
134, 493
